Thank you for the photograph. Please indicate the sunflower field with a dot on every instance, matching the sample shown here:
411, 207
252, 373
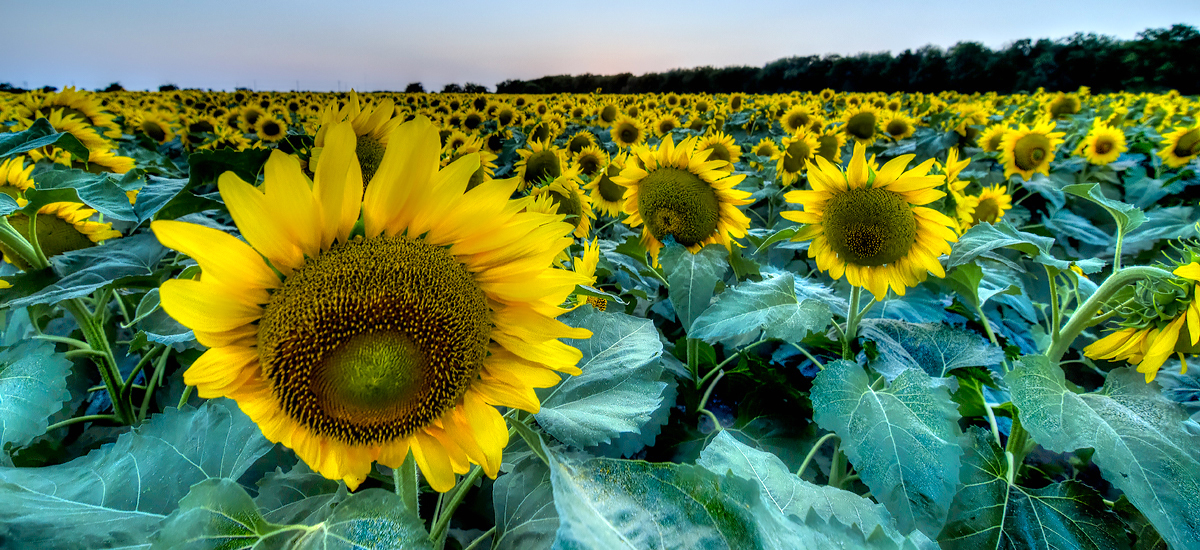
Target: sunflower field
467, 321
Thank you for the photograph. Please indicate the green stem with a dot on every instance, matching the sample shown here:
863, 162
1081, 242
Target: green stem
127, 390
531, 438
33, 241
442, 527
160, 368
1055, 314
183, 399
730, 359
78, 419
851, 323
96, 338
693, 359
810, 357
16, 242
987, 326
708, 391
1117, 249
991, 417
63, 340
407, 484
475, 543
1018, 446
1085, 315
812, 453
837, 468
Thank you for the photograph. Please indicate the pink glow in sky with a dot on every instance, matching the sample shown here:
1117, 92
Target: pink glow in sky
372, 45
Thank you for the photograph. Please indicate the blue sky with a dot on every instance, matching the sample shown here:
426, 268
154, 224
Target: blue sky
369, 45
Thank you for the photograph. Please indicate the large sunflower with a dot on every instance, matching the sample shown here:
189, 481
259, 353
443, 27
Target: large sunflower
867, 223
605, 194
861, 124
675, 191
1028, 151
353, 339
564, 196
1180, 146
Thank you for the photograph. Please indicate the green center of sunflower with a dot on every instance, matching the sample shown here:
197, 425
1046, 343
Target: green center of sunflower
154, 131
797, 153
541, 166
472, 121
986, 211
55, 235
897, 128
577, 143
869, 227
627, 134
589, 164
374, 338
798, 120
1030, 151
666, 125
270, 128
568, 204
540, 133
678, 203
609, 190
370, 153
608, 113
718, 151
861, 126
827, 147
1189, 144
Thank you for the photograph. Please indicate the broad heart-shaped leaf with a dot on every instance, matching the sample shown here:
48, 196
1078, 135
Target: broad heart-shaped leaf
156, 194
986, 237
634, 505
991, 513
204, 167
902, 440
118, 494
790, 494
218, 513
1127, 216
299, 496
90, 269
968, 280
1140, 443
40, 134
935, 348
33, 386
770, 305
524, 504
620, 388
103, 192
692, 277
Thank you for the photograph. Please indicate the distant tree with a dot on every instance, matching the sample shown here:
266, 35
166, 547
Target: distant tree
6, 87
113, 87
414, 88
473, 88
49, 89
168, 88
452, 88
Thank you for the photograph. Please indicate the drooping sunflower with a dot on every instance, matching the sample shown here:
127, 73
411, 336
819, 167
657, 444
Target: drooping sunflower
676, 191
829, 145
579, 141
352, 347
988, 206
867, 223
14, 177
1028, 151
540, 162
794, 155
590, 161
627, 132
605, 194
1062, 105
1180, 146
796, 117
71, 101
721, 146
61, 227
1103, 144
861, 124
1149, 346
62, 121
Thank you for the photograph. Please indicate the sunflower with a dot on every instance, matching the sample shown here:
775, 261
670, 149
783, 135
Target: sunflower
861, 124
1149, 347
1103, 144
400, 339
606, 195
542, 161
867, 222
797, 117
627, 132
579, 141
14, 177
270, 128
156, 125
372, 126
675, 191
721, 146
988, 206
992, 138
472, 120
1180, 146
794, 155
829, 145
61, 227
897, 125
766, 147
590, 160
1062, 105
664, 124
585, 266
70, 101
487, 160
564, 196
607, 114
1027, 151
951, 169
62, 121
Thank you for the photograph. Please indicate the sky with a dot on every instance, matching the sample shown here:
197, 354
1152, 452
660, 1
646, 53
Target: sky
382, 45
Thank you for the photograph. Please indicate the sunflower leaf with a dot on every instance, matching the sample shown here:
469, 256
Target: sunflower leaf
620, 389
903, 440
374, 518
1127, 216
524, 504
119, 493
156, 194
991, 512
933, 347
216, 513
40, 134
8, 205
99, 191
299, 496
1140, 443
33, 386
92, 268
693, 277
204, 167
986, 237
770, 305
782, 234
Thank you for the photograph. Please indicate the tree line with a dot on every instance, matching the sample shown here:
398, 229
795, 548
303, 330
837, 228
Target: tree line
1155, 60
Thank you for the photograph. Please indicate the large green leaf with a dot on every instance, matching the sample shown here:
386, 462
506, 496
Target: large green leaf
524, 503
373, 519
204, 168
986, 237
1140, 442
103, 192
790, 494
117, 495
33, 386
933, 347
769, 305
299, 496
692, 277
972, 283
903, 440
156, 194
216, 513
991, 512
40, 134
620, 389
90, 269
1127, 216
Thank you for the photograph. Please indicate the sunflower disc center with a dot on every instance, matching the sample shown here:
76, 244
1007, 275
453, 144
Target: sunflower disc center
370, 153
609, 190
374, 339
678, 203
870, 227
1189, 144
986, 211
797, 153
1029, 151
541, 166
1103, 146
861, 126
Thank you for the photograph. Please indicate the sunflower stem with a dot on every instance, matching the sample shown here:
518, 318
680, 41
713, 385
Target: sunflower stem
408, 486
693, 359
145, 360
820, 365
33, 241
1085, 314
812, 453
15, 241
531, 438
475, 543
987, 326
852, 313
442, 527
78, 419
160, 366
1055, 314
187, 394
97, 339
